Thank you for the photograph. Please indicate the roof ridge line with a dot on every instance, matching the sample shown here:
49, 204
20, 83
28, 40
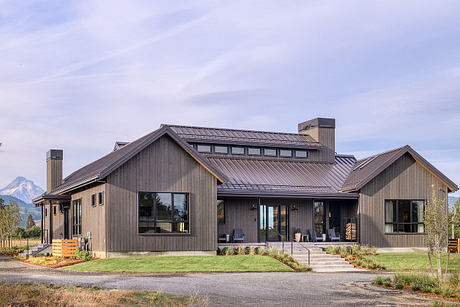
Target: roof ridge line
381, 153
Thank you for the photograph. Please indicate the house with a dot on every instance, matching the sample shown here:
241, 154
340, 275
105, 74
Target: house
177, 189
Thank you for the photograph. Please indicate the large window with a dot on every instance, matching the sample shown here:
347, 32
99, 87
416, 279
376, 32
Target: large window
163, 212
404, 216
318, 216
220, 212
76, 217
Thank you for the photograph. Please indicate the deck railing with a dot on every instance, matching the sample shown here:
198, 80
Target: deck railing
454, 245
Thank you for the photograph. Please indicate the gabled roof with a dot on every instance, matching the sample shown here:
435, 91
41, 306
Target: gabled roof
265, 177
367, 169
101, 168
244, 137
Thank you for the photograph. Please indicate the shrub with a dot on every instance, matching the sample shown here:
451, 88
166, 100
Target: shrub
447, 291
378, 280
83, 254
387, 282
404, 278
247, 250
416, 285
437, 290
219, 251
454, 280
259, 251
399, 285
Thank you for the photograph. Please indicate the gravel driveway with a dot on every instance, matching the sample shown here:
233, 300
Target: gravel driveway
232, 289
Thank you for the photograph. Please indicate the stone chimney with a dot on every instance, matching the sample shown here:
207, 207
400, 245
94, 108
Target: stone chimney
323, 131
53, 168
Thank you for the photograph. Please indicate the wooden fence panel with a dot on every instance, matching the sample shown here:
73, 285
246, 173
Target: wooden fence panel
64, 248
454, 245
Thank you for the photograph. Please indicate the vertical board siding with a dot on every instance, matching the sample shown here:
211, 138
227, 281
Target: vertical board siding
92, 218
404, 179
161, 167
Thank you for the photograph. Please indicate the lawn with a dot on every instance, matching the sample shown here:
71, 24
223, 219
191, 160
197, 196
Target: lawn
182, 264
54, 295
413, 261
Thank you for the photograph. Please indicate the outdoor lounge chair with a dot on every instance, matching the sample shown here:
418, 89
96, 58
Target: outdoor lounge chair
332, 235
238, 235
313, 236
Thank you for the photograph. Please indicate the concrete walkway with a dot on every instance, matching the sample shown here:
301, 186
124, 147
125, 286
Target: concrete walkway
232, 289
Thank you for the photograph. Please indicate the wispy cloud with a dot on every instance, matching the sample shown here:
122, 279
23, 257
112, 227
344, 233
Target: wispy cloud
84, 74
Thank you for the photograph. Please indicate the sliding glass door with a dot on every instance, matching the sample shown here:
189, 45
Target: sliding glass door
273, 223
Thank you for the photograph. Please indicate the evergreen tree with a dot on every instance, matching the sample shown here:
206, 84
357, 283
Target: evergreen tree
30, 222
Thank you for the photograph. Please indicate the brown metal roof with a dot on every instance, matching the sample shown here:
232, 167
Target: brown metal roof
244, 137
367, 169
101, 168
270, 176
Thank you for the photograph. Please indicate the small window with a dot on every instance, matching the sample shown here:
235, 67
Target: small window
46, 212
254, 151
237, 150
204, 148
100, 198
301, 154
285, 153
220, 211
93, 200
221, 149
76, 217
270, 152
54, 210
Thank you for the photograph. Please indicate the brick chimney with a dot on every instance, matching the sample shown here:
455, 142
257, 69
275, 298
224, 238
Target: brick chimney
323, 131
53, 168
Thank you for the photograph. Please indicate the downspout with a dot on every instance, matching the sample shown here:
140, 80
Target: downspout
50, 230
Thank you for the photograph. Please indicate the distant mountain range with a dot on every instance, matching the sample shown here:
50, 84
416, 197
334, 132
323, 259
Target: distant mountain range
22, 190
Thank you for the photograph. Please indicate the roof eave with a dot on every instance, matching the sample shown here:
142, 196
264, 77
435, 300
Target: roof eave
286, 194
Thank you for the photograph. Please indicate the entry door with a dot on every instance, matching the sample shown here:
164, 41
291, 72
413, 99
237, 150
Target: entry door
273, 223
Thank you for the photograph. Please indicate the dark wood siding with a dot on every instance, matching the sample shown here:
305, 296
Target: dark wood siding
404, 179
161, 167
93, 218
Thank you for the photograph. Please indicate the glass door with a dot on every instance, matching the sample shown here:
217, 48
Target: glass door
273, 223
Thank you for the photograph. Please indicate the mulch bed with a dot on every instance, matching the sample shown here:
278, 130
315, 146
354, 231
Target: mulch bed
408, 289
64, 263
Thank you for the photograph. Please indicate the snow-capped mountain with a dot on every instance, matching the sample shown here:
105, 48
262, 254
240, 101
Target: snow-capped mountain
22, 188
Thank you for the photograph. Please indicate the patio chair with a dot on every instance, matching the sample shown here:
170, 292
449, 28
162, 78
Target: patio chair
313, 236
238, 235
332, 235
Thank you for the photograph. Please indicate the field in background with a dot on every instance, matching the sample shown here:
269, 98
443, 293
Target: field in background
23, 242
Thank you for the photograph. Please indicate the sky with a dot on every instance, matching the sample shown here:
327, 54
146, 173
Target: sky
80, 75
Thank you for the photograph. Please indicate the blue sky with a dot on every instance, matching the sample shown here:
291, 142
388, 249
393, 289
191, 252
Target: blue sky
82, 75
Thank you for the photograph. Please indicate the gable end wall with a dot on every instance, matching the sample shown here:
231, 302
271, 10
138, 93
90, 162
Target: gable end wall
404, 179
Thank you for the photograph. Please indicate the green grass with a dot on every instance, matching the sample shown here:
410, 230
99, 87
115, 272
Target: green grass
414, 261
183, 264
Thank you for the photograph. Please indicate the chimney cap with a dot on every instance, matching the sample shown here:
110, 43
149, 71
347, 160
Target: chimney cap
320, 122
54, 154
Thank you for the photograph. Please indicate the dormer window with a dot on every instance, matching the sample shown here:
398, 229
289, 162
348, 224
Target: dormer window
221, 149
253, 151
271, 152
285, 153
237, 150
301, 154
204, 148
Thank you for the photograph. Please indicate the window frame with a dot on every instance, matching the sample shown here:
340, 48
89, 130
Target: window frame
286, 150
154, 220
221, 146
237, 147
300, 150
203, 145
100, 198
221, 221
267, 155
93, 200
397, 223
254, 154
77, 217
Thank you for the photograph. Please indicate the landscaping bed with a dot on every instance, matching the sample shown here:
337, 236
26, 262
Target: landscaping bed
356, 255
184, 264
54, 295
10, 251
276, 254
51, 261
423, 283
